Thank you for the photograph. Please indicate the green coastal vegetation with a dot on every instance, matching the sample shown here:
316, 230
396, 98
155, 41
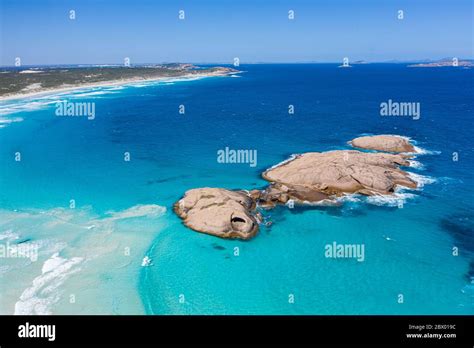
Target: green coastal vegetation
32, 80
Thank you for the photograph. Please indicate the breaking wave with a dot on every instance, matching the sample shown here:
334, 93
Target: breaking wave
45, 290
74, 242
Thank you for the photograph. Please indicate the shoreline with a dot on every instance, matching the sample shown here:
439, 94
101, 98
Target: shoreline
110, 83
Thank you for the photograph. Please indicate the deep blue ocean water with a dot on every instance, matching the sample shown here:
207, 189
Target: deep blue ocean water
408, 250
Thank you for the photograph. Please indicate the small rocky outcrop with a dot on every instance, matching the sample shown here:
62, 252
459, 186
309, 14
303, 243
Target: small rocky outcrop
222, 213
386, 143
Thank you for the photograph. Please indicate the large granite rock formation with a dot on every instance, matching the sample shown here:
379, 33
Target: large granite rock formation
307, 178
344, 171
220, 212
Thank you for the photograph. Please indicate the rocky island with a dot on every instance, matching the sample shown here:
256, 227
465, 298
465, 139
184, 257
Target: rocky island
344, 171
307, 178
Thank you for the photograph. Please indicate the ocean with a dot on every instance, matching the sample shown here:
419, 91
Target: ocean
95, 196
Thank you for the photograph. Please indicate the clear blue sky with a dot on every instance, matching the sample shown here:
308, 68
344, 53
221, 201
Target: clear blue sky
106, 31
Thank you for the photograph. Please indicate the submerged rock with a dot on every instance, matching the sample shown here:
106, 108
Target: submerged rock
220, 212
338, 172
387, 143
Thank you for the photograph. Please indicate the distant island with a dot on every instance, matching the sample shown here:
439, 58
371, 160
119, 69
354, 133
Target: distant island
446, 62
16, 82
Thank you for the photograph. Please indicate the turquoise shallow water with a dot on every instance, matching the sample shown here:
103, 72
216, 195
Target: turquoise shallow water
289, 259
124, 209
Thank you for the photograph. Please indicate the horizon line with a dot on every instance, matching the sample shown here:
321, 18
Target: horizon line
359, 61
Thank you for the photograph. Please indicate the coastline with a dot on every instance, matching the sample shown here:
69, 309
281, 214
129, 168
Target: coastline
110, 83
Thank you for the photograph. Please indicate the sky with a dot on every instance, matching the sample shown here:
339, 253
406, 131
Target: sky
217, 31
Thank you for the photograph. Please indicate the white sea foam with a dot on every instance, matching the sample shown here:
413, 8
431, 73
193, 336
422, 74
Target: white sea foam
39, 103
394, 200
291, 158
400, 195
24, 106
416, 164
328, 202
115, 88
94, 94
186, 78
141, 210
349, 198
139, 85
52, 263
421, 151
44, 291
89, 94
421, 180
